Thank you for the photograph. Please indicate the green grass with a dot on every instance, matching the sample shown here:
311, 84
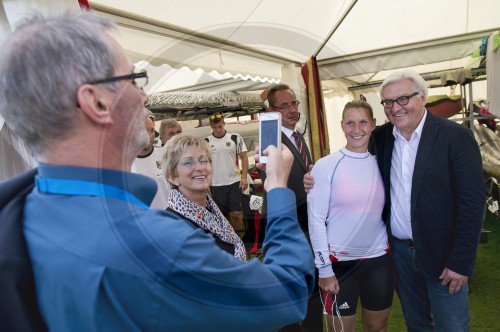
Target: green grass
484, 287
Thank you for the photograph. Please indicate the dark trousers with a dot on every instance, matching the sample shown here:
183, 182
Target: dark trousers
314, 317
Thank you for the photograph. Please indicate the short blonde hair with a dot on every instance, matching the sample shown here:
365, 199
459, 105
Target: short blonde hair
175, 148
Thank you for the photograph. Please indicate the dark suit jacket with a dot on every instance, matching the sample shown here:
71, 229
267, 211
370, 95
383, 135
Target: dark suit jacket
448, 194
295, 180
18, 300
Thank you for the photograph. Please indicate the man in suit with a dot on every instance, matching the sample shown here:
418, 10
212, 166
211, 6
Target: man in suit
435, 201
283, 100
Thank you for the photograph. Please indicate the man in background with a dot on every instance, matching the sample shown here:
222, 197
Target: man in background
282, 99
227, 148
148, 163
168, 129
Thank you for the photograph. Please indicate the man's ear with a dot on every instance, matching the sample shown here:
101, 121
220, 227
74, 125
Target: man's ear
94, 104
424, 99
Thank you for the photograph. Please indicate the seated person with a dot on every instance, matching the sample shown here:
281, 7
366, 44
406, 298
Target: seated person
188, 169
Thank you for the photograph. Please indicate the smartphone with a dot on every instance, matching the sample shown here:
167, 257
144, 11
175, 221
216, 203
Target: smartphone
269, 132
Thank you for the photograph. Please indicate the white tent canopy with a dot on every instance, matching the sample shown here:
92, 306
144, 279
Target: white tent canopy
357, 40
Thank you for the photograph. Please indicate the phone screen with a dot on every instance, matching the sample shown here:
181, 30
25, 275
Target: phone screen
269, 134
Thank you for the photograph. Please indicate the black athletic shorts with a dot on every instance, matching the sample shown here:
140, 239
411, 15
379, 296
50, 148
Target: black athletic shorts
228, 198
371, 279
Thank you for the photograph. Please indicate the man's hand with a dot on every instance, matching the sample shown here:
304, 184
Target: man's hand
308, 180
330, 285
279, 163
455, 280
243, 183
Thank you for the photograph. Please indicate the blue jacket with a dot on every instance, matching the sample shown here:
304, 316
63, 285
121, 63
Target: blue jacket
104, 261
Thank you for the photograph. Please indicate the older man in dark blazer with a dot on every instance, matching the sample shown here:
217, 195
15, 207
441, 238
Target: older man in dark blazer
435, 204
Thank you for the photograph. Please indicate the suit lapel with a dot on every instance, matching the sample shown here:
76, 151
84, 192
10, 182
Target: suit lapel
388, 147
425, 146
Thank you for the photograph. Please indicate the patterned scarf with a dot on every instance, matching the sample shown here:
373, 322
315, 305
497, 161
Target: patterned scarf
210, 219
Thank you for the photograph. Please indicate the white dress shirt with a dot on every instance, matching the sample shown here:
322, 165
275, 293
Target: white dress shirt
288, 133
402, 165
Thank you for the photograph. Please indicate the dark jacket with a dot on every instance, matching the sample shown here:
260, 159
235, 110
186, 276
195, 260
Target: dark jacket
18, 302
448, 194
295, 181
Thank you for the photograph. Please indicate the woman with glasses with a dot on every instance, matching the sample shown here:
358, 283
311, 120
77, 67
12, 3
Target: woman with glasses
188, 169
348, 235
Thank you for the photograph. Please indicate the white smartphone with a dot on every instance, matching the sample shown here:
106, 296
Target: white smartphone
269, 132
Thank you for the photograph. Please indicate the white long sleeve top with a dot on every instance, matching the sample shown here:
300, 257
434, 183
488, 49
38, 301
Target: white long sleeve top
345, 210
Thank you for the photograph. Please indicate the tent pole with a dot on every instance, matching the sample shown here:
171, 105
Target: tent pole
471, 109
325, 41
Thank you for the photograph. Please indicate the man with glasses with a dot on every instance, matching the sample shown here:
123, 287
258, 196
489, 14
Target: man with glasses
228, 183
435, 204
282, 99
102, 260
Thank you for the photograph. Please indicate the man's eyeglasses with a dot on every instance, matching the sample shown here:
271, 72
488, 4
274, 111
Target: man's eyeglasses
215, 116
294, 104
140, 79
402, 101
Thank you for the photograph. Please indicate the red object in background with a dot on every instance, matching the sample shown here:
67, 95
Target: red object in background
84, 5
444, 106
255, 175
256, 225
490, 123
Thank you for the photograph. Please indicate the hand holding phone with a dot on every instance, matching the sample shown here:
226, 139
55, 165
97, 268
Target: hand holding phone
269, 132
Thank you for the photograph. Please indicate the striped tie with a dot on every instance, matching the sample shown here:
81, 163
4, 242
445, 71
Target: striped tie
300, 147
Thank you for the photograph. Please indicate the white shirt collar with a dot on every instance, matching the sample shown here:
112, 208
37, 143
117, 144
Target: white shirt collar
286, 131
